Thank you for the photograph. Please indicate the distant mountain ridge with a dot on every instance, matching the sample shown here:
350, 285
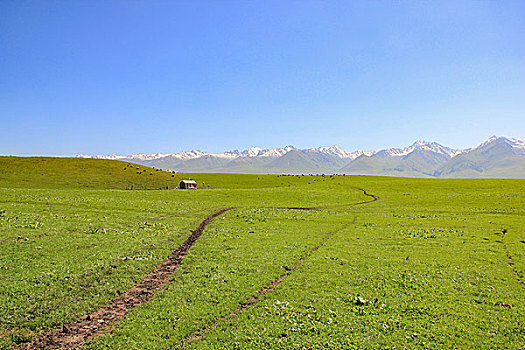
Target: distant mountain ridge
496, 157
250, 152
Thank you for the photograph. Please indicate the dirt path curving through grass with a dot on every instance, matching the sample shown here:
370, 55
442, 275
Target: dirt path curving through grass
74, 335
374, 198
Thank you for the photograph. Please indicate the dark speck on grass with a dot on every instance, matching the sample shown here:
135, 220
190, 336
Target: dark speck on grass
503, 305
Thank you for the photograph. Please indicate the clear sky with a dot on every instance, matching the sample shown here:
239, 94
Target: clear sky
166, 76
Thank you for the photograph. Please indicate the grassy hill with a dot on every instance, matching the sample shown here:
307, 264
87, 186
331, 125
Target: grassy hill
52, 172
83, 173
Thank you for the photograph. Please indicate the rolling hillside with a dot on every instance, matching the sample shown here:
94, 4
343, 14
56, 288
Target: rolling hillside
51, 172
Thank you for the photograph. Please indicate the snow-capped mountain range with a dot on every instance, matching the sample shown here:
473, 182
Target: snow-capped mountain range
424, 146
278, 152
421, 158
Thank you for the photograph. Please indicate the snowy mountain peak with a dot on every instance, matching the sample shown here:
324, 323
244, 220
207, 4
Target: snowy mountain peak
493, 138
421, 145
339, 152
190, 155
258, 152
514, 143
333, 150
489, 141
277, 152
253, 151
360, 153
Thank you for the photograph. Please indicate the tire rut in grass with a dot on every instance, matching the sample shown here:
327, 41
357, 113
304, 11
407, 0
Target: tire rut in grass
243, 306
74, 335
511, 263
25, 238
374, 198
195, 336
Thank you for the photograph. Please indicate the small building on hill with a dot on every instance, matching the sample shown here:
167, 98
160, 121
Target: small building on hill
188, 184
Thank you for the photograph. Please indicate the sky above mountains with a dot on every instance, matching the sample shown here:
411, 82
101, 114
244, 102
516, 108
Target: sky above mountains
140, 77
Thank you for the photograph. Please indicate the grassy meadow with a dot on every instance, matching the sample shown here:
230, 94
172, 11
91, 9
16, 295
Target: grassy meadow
81, 173
431, 264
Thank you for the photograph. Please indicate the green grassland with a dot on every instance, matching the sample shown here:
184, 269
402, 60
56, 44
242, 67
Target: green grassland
425, 266
49, 172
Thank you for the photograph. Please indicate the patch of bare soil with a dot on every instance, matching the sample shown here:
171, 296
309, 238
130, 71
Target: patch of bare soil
74, 335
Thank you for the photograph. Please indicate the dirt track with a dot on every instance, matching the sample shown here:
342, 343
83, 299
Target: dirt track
511, 263
374, 198
270, 286
74, 335
255, 297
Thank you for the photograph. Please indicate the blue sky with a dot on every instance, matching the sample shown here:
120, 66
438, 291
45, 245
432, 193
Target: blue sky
166, 76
